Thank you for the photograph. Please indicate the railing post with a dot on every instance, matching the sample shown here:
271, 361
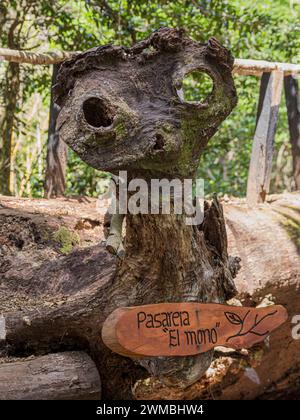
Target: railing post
263, 144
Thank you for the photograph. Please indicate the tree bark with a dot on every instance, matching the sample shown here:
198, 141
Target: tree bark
56, 159
156, 269
11, 96
12, 88
57, 376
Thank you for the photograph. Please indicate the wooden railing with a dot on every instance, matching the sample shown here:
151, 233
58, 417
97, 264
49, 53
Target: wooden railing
241, 66
273, 76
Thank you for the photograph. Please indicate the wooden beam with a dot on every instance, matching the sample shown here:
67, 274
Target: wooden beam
265, 78
30, 57
241, 66
58, 376
262, 150
293, 111
258, 67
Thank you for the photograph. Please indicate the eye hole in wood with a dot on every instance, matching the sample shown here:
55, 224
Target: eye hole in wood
96, 113
196, 87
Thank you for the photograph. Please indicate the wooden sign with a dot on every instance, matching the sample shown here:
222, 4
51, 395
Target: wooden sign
181, 329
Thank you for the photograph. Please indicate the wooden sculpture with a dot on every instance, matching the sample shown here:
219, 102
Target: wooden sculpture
121, 109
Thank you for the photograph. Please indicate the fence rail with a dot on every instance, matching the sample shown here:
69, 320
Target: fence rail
241, 66
274, 76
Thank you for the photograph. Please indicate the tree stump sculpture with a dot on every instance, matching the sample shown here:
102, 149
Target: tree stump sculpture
121, 110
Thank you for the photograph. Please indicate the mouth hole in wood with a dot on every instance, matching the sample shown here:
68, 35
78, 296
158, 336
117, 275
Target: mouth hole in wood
197, 87
96, 113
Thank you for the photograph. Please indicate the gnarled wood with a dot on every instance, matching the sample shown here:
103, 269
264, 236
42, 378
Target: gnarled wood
136, 121
121, 110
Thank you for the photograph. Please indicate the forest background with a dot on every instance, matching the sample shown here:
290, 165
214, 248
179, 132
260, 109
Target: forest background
267, 30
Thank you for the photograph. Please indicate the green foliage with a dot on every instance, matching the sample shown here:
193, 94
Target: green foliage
196, 86
266, 30
84, 180
224, 165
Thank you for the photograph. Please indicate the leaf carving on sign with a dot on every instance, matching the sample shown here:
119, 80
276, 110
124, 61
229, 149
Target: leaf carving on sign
233, 318
237, 320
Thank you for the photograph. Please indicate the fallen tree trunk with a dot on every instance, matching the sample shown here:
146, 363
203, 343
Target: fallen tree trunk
53, 302
58, 376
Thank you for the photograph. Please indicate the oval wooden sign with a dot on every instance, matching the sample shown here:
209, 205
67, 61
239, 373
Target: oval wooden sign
181, 329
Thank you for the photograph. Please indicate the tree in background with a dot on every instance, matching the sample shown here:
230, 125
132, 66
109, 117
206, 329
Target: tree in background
23, 26
257, 30
30, 25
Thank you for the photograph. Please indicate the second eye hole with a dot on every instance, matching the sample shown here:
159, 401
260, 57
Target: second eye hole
196, 87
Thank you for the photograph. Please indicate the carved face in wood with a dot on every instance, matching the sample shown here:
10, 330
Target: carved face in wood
122, 108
